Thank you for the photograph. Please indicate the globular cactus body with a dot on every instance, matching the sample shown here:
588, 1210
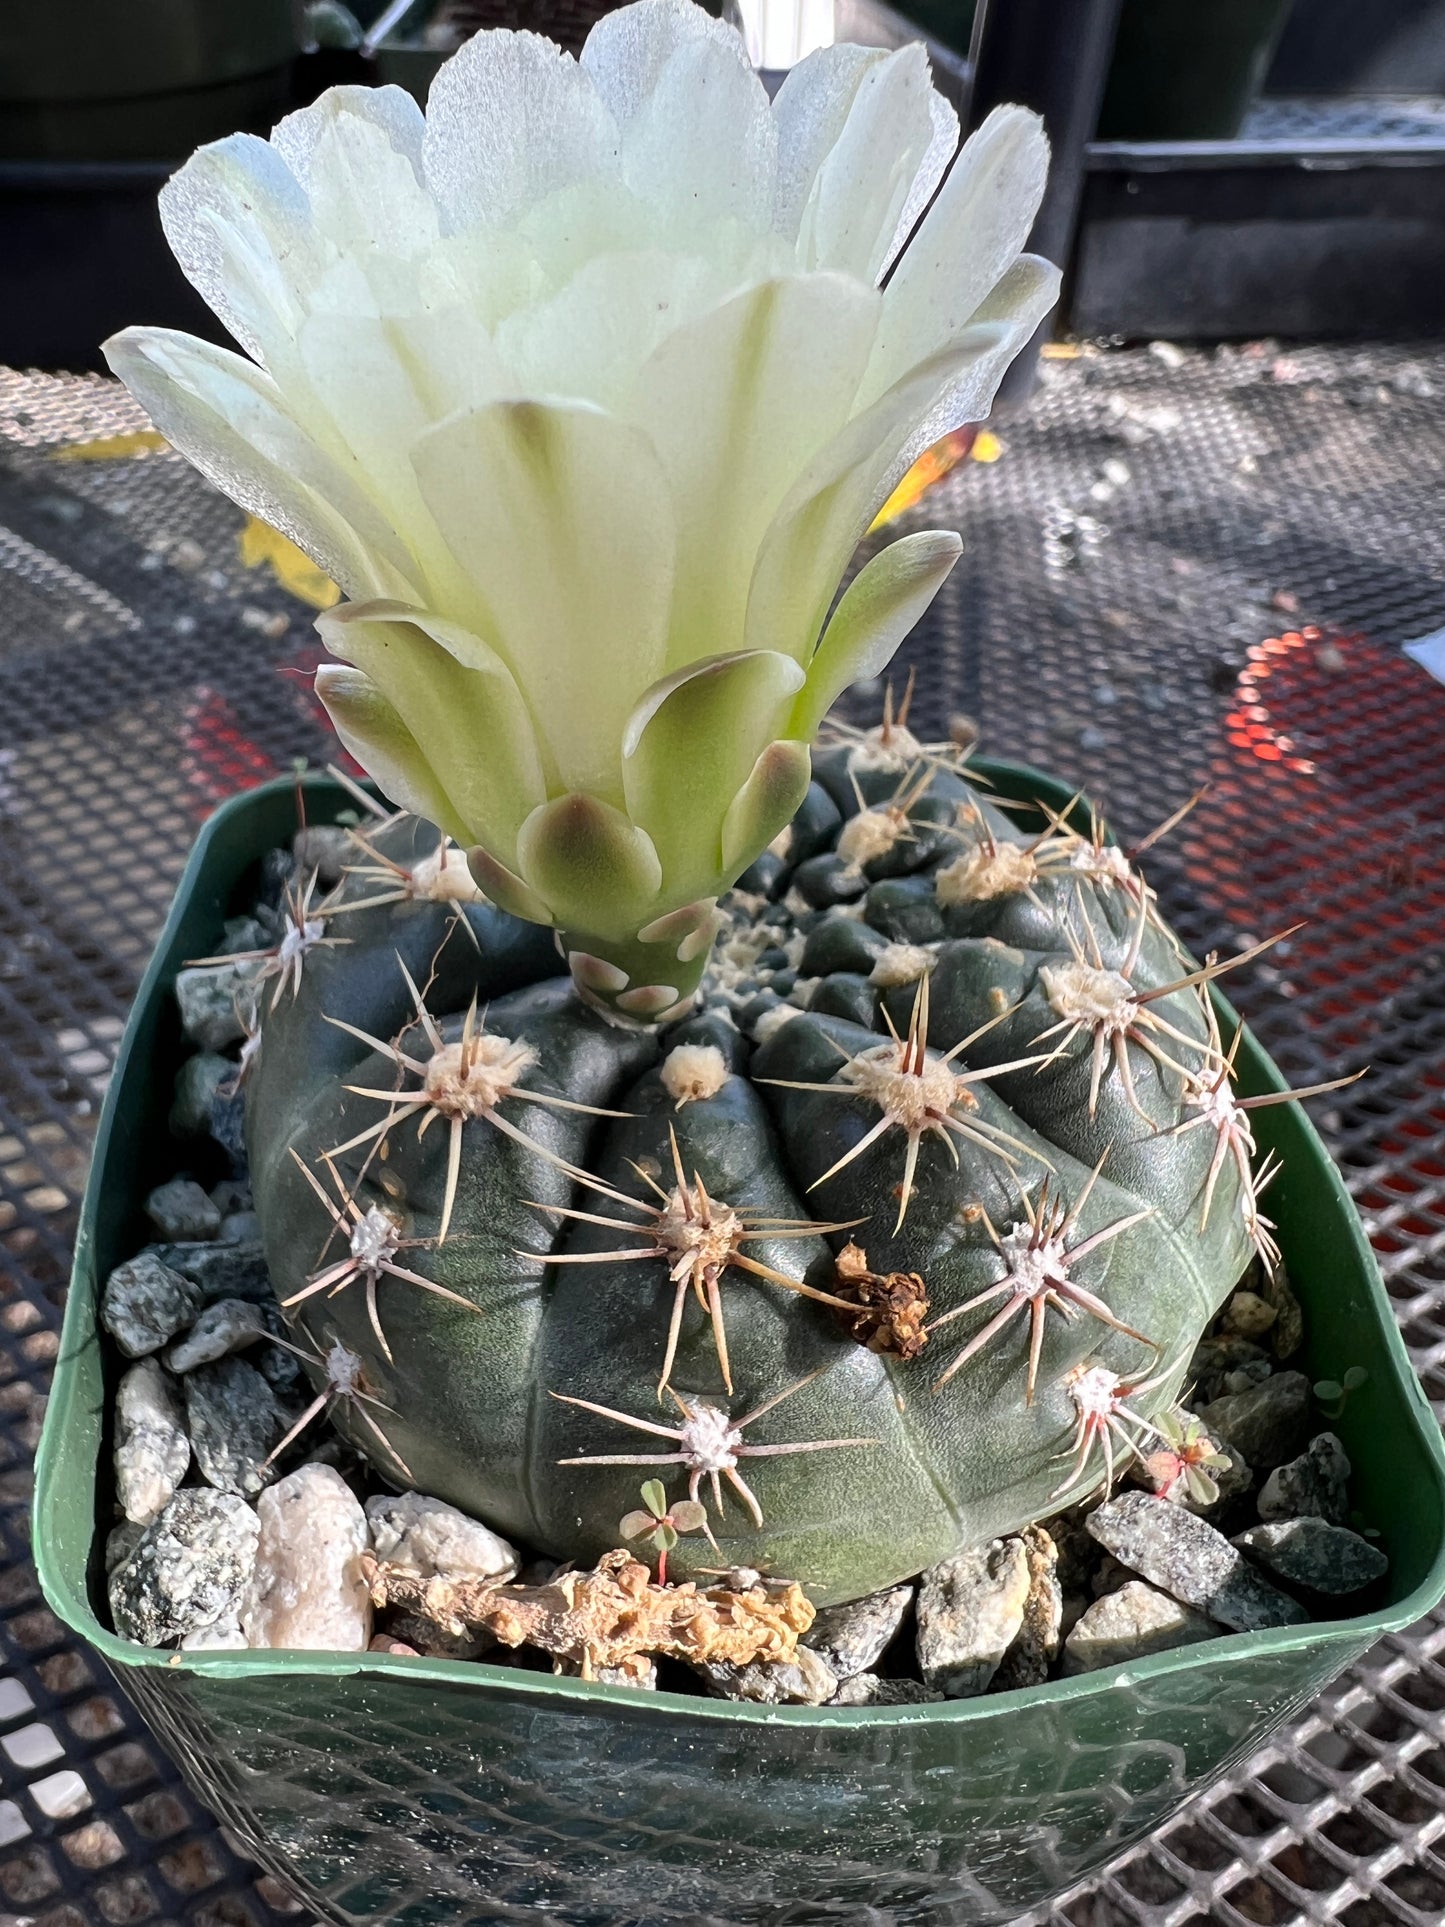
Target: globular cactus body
1045, 1183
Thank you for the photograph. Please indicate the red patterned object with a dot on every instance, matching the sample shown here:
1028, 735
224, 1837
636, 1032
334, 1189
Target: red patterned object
1327, 800
218, 758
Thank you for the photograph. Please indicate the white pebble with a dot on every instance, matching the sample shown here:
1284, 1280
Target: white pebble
307, 1592
427, 1536
152, 1451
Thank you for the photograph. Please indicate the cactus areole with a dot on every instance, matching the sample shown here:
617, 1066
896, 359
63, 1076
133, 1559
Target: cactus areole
661, 1096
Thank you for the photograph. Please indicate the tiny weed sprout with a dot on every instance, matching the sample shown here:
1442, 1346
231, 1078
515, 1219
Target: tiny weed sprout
660, 1525
1334, 1394
1186, 1461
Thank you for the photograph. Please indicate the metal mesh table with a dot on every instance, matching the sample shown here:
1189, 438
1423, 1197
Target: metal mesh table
1183, 567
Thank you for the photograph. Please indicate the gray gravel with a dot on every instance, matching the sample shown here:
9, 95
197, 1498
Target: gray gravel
1316, 1555
970, 1609
868, 1689
806, 1680
188, 1570
234, 1419
181, 1211
220, 1270
145, 1302
1185, 1557
1130, 1624
1268, 1424
230, 1325
1315, 1485
853, 1638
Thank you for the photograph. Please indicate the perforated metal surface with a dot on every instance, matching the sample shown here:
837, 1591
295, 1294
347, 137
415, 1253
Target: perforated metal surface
1179, 570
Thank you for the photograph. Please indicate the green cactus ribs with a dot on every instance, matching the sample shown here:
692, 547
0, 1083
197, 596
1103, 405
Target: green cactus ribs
886, 1222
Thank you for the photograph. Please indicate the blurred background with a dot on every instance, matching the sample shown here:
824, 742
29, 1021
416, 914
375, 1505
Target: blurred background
1225, 168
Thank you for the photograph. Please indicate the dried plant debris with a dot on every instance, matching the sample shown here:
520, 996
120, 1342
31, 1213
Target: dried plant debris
892, 1307
612, 1617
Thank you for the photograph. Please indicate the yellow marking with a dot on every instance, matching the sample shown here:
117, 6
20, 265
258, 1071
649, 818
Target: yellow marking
112, 448
297, 573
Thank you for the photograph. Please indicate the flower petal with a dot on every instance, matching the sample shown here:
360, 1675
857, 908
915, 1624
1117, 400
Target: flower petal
587, 342
561, 518
856, 202
628, 48
692, 741
239, 224
701, 147
505, 888
882, 603
229, 418
390, 109
594, 869
1019, 302
458, 697
510, 119
361, 172
383, 745
942, 146
808, 545
736, 405
810, 111
965, 243
375, 384
770, 799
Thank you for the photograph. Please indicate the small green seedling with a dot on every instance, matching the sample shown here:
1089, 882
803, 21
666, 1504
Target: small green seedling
660, 1525
1189, 1459
1334, 1393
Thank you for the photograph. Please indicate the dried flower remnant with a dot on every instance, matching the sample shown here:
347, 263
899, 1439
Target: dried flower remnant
886, 1310
608, 1618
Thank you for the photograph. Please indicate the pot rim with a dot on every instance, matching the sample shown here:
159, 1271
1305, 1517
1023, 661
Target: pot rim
72, 1604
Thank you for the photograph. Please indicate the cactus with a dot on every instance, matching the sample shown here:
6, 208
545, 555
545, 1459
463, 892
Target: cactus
654, 1093
563, 1249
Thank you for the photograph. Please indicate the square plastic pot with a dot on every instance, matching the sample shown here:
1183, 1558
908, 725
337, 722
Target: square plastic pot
416, 1790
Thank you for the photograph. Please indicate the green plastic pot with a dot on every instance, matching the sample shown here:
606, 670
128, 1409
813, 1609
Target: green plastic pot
428, 1791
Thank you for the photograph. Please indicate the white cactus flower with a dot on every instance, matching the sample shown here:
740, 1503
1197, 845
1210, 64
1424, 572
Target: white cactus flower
584, 387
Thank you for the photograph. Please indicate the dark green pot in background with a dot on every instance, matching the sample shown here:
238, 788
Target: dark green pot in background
425, 1791
1188, 70
119, 80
